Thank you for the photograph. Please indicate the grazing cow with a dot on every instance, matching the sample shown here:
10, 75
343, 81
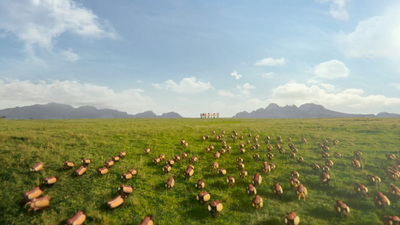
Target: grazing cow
109, 163
241, 145
115, 158
217, 155
292, 219
391, 220
156, 160
325, 178
272, 166
358, 154
295, 174
294, 183
147, 151
361, 190
295, 150
36, 204
126, 176
223, 151
211, 147
300, 159
282, 151
68, 165
248, 142
270, 156
341, 209
256, 156
81, 170
177, 158
269, 148
391, 156
337, 155
277, 189
132, 171
170, 162
324, 154
194, 159
243, 174
242, 150
325, 148
78, 219
394, 190
215, 208
279, 139
292, 155
37, 167
257, 179
381, 200
167, 168
183, 155
102, 171
162, 157
223, 144
393, 174
291, 145
203, 197
356, 164
315, 167
373, 179
50, 180
240, 166
228, 148
278, 146
170, 183
335, 142
200, 184
215, 166
257, 202
34, 193
303, 140
239, 159
221, 172
189, 172
207, 149
148, 220
251, 190
86, 161
124, 191
203, 138
230, 180
325, 169
302, 192
328, 163
266, 168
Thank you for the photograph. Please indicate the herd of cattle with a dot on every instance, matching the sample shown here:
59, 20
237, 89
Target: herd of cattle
35, 201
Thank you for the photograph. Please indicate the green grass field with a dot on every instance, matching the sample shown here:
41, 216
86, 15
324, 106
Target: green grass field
23, 143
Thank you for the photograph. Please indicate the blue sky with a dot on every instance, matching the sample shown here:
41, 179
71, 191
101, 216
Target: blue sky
201, 56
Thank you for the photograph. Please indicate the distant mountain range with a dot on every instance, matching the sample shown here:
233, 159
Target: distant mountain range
62, 111
308, 110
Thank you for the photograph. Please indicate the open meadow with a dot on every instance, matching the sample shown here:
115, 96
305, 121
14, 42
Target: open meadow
24, 143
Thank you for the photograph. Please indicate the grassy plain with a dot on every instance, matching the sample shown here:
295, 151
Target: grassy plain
23, 143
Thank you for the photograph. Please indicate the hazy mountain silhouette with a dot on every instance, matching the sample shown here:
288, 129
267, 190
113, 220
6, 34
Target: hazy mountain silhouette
63, 111
308, 110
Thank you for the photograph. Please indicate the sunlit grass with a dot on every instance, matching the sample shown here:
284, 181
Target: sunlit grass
23, 143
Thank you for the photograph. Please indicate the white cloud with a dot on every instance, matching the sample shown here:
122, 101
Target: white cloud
331, 70
236, 75
69, 55
37, 23
337, 9
396, 85
242, 92
21, 93
226, 93
376, 37
268, 75
348, 100
270, 62
189, 85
